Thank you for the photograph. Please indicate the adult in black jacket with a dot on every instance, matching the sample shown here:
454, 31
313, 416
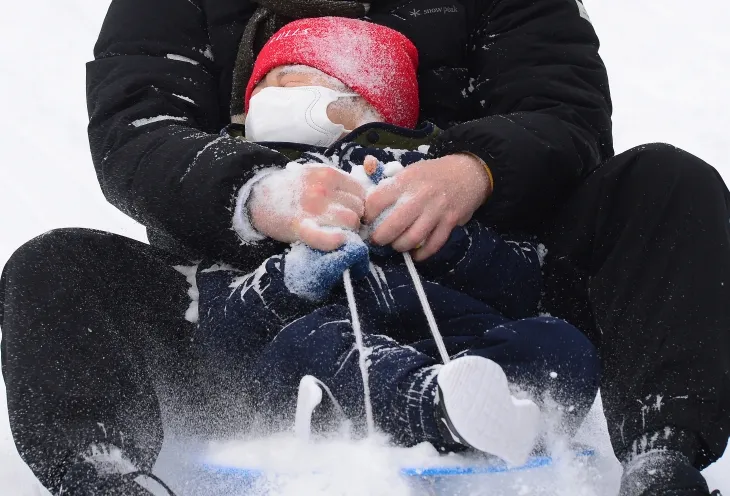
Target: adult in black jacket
639, 248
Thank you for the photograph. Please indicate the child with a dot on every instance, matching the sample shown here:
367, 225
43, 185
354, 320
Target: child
290, 318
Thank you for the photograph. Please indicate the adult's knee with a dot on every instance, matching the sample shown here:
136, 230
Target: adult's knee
558, 349
658, 163
571, 361
32, 257
42, 267
43, 251
548, 333
548, 344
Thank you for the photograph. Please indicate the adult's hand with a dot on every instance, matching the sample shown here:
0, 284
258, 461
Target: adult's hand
429, 199
305, 203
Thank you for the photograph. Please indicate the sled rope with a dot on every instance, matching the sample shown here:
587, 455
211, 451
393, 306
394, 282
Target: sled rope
427, 308
361, 349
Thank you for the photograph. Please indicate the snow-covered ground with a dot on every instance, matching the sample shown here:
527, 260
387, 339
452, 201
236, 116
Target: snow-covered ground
669, 63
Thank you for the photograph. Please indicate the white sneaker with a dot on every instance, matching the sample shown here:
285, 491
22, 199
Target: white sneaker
309, 397
479, 411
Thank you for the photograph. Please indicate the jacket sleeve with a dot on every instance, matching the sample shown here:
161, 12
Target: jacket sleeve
540, 93
241, 313
502, 272
152, 93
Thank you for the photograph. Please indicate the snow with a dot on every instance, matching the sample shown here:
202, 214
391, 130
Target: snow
669, 73
182, 97
181, 58
208, 53
157, 118
110, 460
282, 189
189, 271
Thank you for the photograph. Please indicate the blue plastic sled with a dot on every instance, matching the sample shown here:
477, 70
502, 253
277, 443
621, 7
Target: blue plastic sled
492, 478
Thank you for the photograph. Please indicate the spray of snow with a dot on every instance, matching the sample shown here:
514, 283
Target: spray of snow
542, 252
250, 281
108, 459
210, 145
338, 464
642, 114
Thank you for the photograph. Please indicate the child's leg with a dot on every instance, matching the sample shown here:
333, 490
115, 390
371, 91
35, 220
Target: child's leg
322, 344
548, 357
403, 384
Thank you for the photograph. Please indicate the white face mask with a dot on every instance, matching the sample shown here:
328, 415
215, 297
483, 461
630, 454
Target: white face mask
294, 115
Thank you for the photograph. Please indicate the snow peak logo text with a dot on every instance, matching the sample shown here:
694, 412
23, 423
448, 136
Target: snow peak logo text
290, 34
436, 10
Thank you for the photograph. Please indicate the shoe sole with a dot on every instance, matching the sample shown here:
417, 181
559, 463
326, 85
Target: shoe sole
480, 408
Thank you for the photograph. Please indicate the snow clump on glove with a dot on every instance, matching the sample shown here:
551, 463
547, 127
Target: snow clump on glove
311, 274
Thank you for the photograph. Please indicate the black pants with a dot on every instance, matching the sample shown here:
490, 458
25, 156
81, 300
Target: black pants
88, 320
639, 258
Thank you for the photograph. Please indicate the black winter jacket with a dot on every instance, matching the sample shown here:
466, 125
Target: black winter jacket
517, 82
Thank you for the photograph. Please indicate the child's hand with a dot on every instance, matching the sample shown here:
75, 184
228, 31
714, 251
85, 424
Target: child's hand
311, 274
300, 202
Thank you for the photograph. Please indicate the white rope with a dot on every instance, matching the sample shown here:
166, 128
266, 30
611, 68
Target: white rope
358, 332
426, 308
361, 349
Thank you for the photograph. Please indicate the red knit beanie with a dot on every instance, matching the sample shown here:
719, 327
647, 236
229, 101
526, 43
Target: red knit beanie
377, 62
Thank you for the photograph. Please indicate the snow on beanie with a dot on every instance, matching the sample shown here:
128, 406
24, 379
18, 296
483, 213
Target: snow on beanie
377, 62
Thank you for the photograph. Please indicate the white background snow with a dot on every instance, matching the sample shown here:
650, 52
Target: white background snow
669, 62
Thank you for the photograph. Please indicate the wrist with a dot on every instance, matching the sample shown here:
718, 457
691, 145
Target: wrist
255, 211
482, 173
246, 223
264, 216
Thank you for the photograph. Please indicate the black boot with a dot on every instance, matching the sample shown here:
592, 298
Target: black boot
87, 479
663, 463
662, 473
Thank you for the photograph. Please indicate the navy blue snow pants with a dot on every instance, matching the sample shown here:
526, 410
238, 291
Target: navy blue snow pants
546, 357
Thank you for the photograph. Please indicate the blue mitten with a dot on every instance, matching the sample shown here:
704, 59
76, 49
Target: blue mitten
312, 274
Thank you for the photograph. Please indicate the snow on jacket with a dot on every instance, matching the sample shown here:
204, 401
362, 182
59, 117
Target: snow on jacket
519, 83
